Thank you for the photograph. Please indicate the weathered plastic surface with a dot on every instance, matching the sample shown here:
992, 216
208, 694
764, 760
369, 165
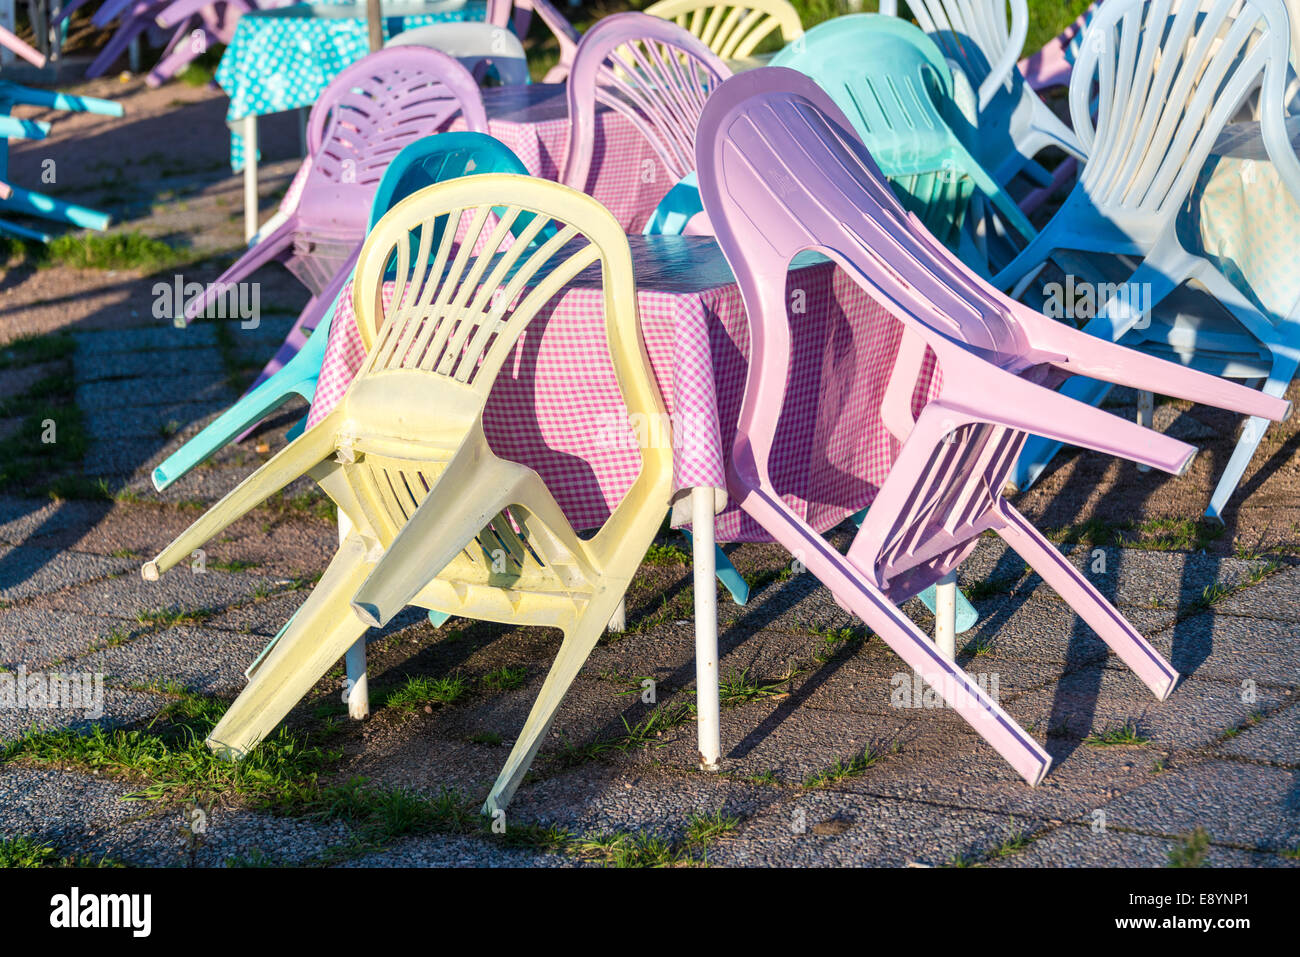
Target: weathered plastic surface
781, 170
732, 30
439, 521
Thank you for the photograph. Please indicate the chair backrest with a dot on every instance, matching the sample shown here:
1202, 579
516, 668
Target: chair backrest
482, 48
654, 73
888, 77
368, 113
731, 30
781, 171
1164, 78
458, 306
895, 86
436, 159
976, 34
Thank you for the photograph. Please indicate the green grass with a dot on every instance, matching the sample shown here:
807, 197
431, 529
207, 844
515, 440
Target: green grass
170, 617
419, 691
504, 678
1191, 849
842, 770
30, 852
703, 829
1126, 735
666, 555
33, 350
131, 250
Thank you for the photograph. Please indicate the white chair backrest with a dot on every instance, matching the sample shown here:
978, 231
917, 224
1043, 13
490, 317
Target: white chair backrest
974, 33
1165, 78
476, 45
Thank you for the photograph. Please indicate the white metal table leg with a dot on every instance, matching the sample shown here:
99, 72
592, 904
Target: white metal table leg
706, 629
945, 615
355, 659
1146, 416
250, 177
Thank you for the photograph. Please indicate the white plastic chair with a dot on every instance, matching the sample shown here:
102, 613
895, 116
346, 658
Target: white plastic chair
1014, 124
482, 48
1140, 61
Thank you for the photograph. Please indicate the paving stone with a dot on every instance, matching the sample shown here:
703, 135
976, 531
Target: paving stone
147, 365
1095, 700
1275, 739
1234, 649
27, 570
39, 636
1244, 804
1277, 596
128, 394
158, 423
22, 519
119, 706
180, 590
159, 336
204, 660
1079, 846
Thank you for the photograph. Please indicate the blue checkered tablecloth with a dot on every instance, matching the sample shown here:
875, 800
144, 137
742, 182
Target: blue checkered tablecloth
283, 59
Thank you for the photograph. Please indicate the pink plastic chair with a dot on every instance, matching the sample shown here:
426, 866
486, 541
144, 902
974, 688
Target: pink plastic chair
1051, 66
780, 171
518, 14
15, 43
362, 120
652, 71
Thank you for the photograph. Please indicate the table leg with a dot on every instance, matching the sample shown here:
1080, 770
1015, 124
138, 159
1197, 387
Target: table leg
619, 620
133, 56
1146, 416
7, 20
302, 130
706, 629
355, 659
945, 615
250, 177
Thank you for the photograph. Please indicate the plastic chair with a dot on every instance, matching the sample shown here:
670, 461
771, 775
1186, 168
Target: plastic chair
732, 31
1014, 124
362, 119
653, 72
517, 14
12, 41
1145, 161
29, 202
894, 84
782, 171
486, 50
419, 164
1051, 65
440, 521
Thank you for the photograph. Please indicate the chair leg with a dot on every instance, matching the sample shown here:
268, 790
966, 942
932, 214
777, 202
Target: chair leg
321, 632
1088, 603
731, 579
1251, 435
578, 643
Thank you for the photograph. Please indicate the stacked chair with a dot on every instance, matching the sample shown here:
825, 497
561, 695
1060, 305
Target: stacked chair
29, 202
365, 116
461, 252
781, 171
404, 456
895, 84
1162, 93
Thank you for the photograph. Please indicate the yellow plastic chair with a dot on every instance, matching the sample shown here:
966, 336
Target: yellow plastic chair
731, 30
440, 521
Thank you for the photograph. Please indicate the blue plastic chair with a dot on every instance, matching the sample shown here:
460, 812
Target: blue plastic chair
29, 202
895, 86
422, 163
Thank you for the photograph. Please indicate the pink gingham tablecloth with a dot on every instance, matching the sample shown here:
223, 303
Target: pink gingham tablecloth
556, 407
627, 175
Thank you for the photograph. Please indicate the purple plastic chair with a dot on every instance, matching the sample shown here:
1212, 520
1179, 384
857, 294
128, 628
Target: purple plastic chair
655, 73
518, 14
780, 171
361, 121
1051, 66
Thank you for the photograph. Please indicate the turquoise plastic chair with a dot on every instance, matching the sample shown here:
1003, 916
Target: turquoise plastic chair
420, 164
895, 86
